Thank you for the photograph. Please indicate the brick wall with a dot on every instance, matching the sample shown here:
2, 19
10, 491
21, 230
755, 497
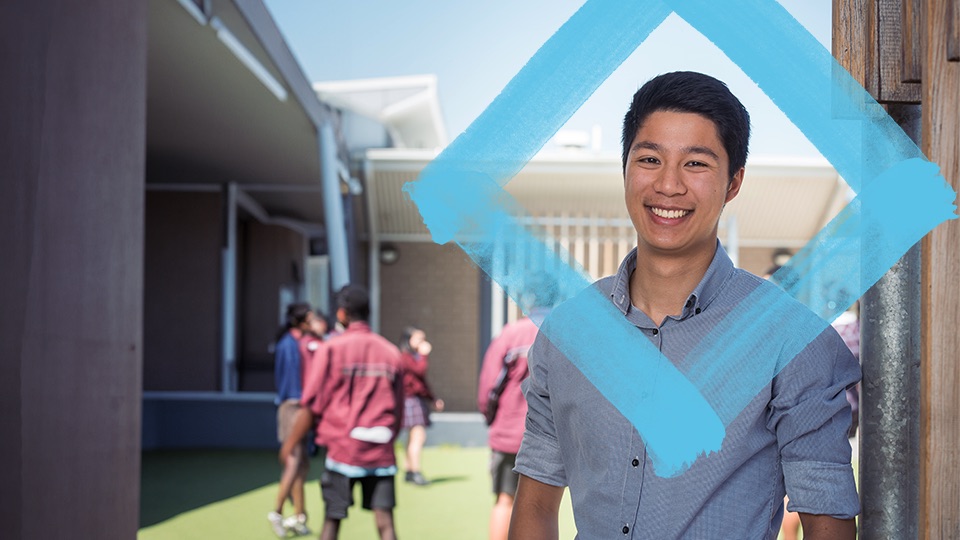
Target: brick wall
436, 288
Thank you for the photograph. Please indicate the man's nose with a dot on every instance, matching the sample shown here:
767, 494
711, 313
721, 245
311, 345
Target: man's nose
670, 182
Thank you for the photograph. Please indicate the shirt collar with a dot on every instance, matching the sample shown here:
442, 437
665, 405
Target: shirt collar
720, 270
358, 326
538, 314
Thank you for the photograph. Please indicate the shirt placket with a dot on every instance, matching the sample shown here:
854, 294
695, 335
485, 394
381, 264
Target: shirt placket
635, 464
635, 468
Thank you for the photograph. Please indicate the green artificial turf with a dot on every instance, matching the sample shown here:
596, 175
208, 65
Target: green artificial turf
216, 494
226, 494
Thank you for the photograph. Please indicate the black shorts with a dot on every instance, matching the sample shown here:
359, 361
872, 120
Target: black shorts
501, 469
337, 490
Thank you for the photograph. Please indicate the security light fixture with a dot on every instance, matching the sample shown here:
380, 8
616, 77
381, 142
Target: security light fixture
781, 256
389, 254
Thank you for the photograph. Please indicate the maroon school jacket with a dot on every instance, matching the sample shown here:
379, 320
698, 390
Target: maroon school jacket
355, 384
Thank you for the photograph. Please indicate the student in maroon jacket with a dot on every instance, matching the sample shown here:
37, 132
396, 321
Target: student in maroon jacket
418, 399
508, 354
353, 395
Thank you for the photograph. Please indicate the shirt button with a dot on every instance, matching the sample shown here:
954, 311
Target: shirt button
655, 331
626, 529
697, 311
635, 462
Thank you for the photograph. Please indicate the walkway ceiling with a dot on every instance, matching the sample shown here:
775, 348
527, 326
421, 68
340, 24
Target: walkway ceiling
210, 120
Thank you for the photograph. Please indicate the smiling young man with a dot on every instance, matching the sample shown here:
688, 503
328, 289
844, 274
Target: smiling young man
684, 150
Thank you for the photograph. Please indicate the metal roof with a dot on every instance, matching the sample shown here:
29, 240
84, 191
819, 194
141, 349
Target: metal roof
407, 107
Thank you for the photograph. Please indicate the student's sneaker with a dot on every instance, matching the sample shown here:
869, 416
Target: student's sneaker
276, 523
297, 524
416, 478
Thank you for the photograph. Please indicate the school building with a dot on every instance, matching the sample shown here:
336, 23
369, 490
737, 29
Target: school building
262, 188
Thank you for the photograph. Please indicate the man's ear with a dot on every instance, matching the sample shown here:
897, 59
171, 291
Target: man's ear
733, 187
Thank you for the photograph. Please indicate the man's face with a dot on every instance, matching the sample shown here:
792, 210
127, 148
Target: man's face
676, 182
416, 339
317, 325
305, 326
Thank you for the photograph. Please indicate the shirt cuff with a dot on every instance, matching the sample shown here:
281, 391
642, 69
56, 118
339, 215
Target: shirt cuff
821, 488
541, 461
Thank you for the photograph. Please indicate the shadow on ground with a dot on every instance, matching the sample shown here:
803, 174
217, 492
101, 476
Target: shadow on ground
444, 479
177, 481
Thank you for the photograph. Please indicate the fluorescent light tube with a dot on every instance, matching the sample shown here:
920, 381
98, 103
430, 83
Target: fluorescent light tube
247, 58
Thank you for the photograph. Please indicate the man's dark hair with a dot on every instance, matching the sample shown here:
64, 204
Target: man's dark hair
691, 92
297, 314
355, 302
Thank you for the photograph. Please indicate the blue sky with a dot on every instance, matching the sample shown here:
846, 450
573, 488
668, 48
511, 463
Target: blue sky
476, 48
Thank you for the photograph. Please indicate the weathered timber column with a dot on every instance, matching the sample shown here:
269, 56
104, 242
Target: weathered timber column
940, 464
72, 139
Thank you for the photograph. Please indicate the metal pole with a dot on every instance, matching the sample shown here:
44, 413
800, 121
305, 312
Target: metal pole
333, 208
373, 254
890, 391
229, 290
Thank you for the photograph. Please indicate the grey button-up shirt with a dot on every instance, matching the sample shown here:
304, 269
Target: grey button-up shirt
790, 438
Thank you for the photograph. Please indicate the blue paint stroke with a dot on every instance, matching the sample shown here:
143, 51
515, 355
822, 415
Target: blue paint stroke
891, 214
806, 82
460, 198
856, 249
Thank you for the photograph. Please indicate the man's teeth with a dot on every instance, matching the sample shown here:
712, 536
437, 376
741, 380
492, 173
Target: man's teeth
670, 214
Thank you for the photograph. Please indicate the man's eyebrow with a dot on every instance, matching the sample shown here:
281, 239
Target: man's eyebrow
700, 150
646, 145
650, 145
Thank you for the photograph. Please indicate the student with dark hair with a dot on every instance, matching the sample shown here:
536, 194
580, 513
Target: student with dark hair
684, 150
353, 396
290, 358
418, 399
499, 397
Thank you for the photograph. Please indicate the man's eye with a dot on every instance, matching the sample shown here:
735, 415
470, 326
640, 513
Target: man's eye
697, 164
652, 160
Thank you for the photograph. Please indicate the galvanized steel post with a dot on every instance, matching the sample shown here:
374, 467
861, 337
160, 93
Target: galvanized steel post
890, 391
333, 208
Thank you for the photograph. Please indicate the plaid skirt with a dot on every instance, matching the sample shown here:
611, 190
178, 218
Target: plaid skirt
416, 412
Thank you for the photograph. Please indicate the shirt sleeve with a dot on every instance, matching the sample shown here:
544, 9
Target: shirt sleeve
398, 395
287, 371
539, 456
811, 416
316, 394
417, 366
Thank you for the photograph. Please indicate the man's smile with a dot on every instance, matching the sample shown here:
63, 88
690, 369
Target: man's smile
668, 213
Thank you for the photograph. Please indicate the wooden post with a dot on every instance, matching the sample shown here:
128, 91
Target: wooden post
71, 271
940, 455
